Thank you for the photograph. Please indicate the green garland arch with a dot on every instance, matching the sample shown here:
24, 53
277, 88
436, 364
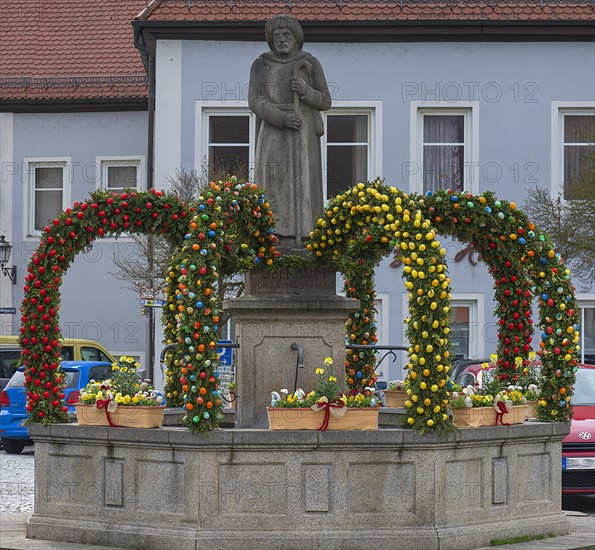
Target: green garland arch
365, 223
231, 232
519, 257
69, 233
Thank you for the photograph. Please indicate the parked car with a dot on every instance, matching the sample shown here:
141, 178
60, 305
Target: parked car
578, 448
459, 365
13, 435
72, 350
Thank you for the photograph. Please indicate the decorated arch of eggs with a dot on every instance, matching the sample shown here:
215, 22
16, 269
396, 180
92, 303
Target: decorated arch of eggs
231, 231
357, 231
520, 258
68, 234
358, 228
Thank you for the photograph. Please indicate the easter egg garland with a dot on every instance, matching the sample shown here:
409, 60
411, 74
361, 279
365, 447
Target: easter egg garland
104, 213
366, 222
232, 231
519, 257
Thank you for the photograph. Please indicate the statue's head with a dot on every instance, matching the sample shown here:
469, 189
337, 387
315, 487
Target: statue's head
276, 37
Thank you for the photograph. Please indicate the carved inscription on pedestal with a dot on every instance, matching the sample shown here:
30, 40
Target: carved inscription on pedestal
318, 281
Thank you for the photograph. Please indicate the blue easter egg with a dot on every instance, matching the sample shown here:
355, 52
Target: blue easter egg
454, 198
488, 210
198, 305
359, 375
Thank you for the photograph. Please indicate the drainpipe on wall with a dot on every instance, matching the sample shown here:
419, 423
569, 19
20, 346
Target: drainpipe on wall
148, 57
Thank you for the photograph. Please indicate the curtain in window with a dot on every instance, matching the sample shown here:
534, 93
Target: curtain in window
579, 156
443, 152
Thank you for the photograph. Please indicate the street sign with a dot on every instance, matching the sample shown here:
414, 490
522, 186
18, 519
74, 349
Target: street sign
154, 303
11, 311
225, 354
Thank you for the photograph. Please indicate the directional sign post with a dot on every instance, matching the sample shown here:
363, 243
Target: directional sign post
154, 303
226, 370
225, 354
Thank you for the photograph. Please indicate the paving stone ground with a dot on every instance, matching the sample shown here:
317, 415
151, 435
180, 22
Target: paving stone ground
17, 488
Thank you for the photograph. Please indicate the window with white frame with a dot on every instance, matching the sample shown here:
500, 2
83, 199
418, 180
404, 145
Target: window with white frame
444, 148
587, 329
347, 148
47, 191
120, 174
229, 142
577, 136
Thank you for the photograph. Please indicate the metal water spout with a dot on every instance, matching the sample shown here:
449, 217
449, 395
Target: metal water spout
299, 363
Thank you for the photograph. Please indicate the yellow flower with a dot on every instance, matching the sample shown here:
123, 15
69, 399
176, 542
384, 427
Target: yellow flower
319, 371
532, 356
328, 361
290, 398
118, 398
99, 395
518, 361
332, 379
135, 400
493, 358
127, 399
485, 365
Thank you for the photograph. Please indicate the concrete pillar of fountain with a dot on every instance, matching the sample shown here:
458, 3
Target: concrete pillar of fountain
281, 308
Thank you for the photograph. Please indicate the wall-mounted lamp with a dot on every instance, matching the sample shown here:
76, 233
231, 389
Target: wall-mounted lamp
5, 251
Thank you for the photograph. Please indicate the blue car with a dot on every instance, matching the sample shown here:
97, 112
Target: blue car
14, 436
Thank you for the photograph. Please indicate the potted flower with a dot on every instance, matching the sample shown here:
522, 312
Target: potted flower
488, 405
124, 400
231, 392
396, 395
529, 382
325, 407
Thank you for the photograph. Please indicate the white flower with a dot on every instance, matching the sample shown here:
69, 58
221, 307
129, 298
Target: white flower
284, 391
455, 395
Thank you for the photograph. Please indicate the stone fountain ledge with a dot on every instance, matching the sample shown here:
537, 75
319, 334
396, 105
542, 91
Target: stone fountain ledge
171, 489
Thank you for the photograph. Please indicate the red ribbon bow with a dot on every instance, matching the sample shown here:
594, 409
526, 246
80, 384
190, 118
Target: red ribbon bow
103, 404
500, 412
326, 406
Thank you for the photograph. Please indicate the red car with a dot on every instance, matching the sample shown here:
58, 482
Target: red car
578, 448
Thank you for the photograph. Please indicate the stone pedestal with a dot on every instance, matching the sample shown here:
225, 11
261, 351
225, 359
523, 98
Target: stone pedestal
281, 308
170, 489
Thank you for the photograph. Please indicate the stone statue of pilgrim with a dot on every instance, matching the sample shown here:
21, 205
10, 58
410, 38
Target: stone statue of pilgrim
287, 92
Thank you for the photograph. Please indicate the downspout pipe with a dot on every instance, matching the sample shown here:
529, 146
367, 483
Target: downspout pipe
148, 57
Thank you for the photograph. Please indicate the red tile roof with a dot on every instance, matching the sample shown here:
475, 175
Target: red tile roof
68, 49
368, 10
